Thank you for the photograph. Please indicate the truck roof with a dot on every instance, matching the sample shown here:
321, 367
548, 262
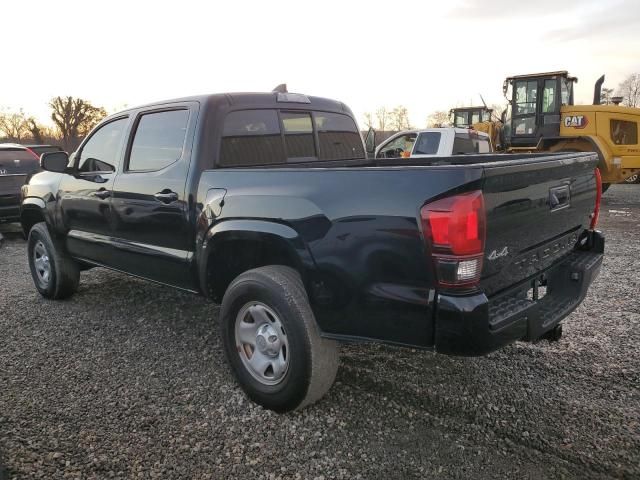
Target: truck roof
256, 100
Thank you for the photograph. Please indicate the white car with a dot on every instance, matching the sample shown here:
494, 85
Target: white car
434, 142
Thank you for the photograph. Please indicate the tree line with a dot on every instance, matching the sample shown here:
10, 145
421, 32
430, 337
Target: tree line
72, 119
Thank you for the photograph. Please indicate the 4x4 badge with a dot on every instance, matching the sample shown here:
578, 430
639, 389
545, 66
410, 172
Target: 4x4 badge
495, 254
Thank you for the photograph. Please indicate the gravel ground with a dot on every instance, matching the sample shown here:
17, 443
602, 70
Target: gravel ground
128, 380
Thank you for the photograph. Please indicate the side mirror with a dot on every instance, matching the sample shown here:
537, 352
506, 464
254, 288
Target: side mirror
370, 141
54, 161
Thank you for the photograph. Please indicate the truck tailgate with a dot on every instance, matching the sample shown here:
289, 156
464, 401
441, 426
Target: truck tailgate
536, 210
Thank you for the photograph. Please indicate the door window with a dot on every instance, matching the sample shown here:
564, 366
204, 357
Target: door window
251, 137
399, 147
101, 153
526, 96
158, 140
549, 96
427, 143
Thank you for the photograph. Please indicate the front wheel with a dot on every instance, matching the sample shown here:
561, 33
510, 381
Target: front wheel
272, 341
55, 274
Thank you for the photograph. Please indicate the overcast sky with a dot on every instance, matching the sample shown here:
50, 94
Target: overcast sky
424, 55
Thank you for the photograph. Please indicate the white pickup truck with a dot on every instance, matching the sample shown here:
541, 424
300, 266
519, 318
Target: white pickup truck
434, 142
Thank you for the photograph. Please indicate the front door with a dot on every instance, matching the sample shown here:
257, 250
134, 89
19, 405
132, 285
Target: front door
151, 230
536, 110
84, 197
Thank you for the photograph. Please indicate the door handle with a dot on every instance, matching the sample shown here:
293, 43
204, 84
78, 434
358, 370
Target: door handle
102, 193
166, 196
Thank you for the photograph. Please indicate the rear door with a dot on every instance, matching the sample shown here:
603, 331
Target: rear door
151, 233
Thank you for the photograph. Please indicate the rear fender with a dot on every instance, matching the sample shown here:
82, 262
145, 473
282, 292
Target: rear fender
278, 235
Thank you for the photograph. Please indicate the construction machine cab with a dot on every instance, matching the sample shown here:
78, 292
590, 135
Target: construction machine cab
464, 117
533, 110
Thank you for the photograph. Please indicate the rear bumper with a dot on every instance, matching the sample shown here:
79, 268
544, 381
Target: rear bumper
476, 325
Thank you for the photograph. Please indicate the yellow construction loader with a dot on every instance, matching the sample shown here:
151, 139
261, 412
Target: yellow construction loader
541, 117
464, 117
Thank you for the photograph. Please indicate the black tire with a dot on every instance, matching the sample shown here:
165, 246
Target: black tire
63, 274
605, 187
312, 360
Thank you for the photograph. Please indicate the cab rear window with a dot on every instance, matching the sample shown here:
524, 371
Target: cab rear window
465, 143
269, 136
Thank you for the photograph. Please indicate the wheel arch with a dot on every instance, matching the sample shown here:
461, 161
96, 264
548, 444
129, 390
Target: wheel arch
32, 211
232, 247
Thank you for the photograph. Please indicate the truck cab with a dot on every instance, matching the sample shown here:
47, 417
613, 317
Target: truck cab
431, 142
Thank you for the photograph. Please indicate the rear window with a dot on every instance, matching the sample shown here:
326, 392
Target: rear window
16, 154
338, 137
254, 137
470, 143
251, 137
45, 149
298, 136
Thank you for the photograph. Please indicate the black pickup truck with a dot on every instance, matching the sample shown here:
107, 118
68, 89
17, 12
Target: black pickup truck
268, 204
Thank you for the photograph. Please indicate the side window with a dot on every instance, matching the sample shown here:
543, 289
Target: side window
475, 117
338, 137
549, 96
399, 147
526, 95
251, 137
101, 153
565, 91
427, 143
464, 143
461, 119
624, 132
298, 135
159, 140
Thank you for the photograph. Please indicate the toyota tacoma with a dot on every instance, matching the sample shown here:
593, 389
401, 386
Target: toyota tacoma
268, 204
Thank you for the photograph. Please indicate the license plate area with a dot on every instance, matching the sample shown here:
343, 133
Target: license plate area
538, 289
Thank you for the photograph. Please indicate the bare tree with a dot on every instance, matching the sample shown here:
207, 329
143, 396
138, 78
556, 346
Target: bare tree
400, 118
368, 120
605, 96
383, 116
14, 125
629, 90
74, 118
438, 119
41, 133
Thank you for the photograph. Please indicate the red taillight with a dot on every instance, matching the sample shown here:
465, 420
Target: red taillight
454, 229
596, 210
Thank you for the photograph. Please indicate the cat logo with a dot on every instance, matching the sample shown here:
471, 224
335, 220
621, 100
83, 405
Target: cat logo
576, 121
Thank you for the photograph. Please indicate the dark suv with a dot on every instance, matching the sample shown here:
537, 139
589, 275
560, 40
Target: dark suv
17, 164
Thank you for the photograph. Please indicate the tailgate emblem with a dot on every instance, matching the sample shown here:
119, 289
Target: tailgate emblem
3, 171
495, 254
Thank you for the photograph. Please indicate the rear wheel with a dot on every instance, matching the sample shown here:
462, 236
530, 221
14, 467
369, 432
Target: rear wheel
55, 274
272, 341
